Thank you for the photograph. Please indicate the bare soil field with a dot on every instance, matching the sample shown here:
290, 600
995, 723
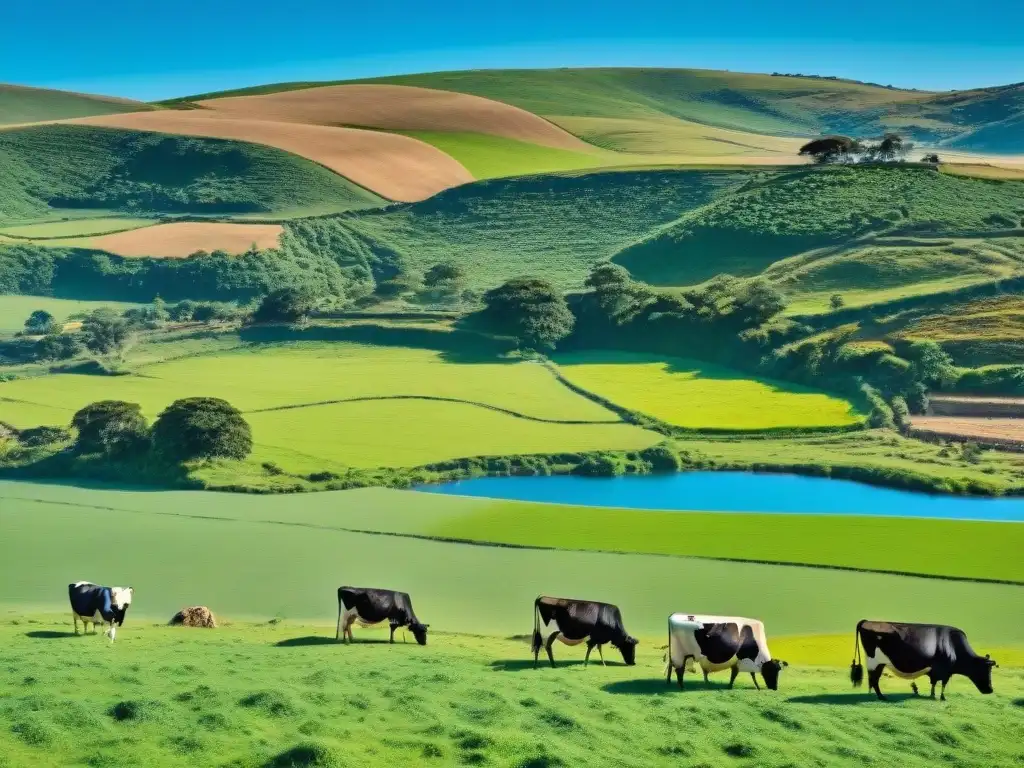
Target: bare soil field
1002, 433
180, 239
397, 107
957, 405
394, 166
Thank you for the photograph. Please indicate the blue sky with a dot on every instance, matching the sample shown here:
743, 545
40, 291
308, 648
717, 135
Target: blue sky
148, 49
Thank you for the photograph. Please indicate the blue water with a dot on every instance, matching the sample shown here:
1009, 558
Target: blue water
737, 492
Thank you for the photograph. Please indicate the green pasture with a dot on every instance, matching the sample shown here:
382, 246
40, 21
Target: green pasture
75, 227
701, 395
15, 309
270, 696
260, 557
27, 105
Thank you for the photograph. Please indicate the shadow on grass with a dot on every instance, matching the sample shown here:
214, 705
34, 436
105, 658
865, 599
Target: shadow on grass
519, 665
47, 634
307, 640
651, 686
849, 699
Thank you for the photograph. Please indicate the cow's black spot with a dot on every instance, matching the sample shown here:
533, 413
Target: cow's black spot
310, 755
740, 749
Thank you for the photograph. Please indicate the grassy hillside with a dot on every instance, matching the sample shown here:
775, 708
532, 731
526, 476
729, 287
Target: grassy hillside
15, 309
78, 167
261, 696
20, 104
554, 226
788, 213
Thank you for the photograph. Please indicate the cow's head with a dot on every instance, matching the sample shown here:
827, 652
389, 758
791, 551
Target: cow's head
770, 671
981, 673
627, 647
120, 599
419, 631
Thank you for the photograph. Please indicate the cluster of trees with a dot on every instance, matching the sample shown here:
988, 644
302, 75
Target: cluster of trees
188, 429
442, 283
842, 149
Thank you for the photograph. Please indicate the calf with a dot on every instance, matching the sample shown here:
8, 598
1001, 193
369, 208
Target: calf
579, 620
717, 643
371, 606
914, 650
94, 604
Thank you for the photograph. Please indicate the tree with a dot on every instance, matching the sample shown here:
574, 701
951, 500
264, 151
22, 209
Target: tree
619, 296
111, 426
40, 322
58, 346
831, 149
530, 310
202, 427
285, 305
931, 158
931, 365
758, 301
836, 301
891, 147
105, 333
447, 274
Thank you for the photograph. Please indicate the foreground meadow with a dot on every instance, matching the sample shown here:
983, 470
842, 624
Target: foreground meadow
285, 695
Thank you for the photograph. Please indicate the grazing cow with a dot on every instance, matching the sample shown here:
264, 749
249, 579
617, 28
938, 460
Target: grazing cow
579, 620
717, 643
913, 650
94, 604
371, 606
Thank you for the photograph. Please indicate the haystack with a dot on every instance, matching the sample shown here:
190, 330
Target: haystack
196, 616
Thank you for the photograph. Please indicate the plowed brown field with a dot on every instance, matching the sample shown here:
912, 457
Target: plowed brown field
1009, 430
398, 107
179, 239
396, 167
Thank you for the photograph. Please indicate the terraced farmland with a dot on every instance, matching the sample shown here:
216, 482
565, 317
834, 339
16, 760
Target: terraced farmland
700, 395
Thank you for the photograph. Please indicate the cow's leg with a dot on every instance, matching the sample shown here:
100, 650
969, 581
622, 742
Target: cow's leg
874, 676
74, 618
913, 687
601, 654
733, 674
753, 676
337, 634
668, 673
548, 644
590, 647
111, 632
679, 676
942, 694
706, 680
935, 681
393, 628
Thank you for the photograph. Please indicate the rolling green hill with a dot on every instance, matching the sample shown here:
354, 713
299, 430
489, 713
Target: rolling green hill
79, 167
788, 213
610, 106
556, 226
20, 104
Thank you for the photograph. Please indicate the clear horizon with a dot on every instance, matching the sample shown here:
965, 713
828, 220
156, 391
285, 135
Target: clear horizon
152, 52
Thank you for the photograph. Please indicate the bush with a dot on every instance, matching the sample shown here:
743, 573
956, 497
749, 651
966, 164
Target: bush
58, 346
36, 437
530, 310
900, 412
598, 466
285, 305
200, 428
40, 322
105, 333
661, 458
111, 427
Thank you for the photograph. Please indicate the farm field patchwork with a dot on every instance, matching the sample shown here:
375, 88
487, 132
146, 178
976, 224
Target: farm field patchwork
74, 227
180, 239
286, 695
699, 395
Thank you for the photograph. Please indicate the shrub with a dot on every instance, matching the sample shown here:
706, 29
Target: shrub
598, 466
58, 346
105, 333
285, 305
900, 412
530, 310
36, 437
40, 322
661, 458
202, 427
111, 426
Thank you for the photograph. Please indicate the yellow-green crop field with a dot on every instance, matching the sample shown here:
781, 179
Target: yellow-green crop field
700, 395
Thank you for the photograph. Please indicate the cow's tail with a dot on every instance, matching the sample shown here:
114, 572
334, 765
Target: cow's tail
856, 668
538, 642
337, 634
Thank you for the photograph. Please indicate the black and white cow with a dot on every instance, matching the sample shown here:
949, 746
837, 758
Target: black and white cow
94, 604
913, 650
720, 642
371, 606
579, 620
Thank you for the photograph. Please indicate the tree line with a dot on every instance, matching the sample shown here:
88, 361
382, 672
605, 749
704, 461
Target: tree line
843, 149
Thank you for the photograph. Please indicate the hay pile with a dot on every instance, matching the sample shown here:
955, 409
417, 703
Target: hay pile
196, 616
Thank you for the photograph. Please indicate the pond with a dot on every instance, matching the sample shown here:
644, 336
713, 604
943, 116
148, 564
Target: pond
736, 492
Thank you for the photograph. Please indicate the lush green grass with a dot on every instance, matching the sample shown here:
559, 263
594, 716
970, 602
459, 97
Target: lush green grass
248, 556
14, 309
25, 105
85, 167
75, 227
290, 397
554, 226
883, 272
257, 696
688, 393
788, 213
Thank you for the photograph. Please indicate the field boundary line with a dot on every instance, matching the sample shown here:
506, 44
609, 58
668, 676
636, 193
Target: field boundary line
434, 398
535, 547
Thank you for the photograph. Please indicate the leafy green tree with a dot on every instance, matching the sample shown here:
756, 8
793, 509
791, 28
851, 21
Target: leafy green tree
530, 310
758, 301
58, 346
836, 301
285, 305
618, 295
111, 426
931, 365
40, 322
447, 275
159, 310
931, 158
202, 427
105, 333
